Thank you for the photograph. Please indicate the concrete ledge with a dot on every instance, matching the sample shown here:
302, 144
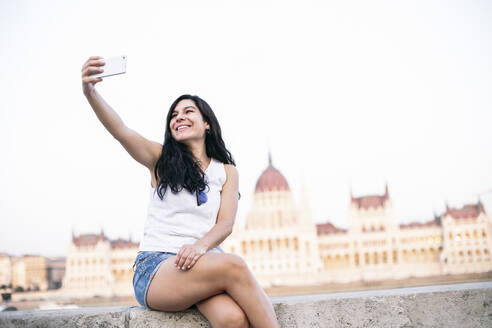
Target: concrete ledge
458, 305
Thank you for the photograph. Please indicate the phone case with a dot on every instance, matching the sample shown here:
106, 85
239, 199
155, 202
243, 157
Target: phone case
113, 66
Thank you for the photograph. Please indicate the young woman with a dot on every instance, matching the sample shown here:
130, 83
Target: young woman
193, 204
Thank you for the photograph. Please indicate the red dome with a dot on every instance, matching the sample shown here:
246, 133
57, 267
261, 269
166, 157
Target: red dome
271, 179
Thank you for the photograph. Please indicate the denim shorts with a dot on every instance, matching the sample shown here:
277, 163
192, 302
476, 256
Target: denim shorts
144, 269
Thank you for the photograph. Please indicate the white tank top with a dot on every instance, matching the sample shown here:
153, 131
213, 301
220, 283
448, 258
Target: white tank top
177, 219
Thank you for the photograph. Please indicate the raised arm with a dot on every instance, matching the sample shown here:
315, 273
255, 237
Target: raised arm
144, 151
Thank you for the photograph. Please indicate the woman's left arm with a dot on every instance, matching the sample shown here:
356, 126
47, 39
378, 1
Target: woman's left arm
189, 254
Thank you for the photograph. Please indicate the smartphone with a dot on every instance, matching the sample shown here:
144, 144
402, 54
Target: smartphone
113, 66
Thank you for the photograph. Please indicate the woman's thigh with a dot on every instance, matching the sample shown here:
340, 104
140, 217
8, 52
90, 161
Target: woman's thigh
222, 311
172, 289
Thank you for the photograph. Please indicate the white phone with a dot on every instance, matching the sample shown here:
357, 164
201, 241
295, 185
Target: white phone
113, 66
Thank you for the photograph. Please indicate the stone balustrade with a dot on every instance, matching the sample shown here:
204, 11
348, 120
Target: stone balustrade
456, 305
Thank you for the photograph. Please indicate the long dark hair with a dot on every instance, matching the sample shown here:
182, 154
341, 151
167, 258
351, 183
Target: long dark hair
176, 168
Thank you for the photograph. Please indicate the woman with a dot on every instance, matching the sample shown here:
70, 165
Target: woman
194, 195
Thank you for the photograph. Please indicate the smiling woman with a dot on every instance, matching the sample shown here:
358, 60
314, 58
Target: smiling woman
192, 209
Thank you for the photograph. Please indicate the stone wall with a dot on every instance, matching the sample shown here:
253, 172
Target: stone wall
457, 305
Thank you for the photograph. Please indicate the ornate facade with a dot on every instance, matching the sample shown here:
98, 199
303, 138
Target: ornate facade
283, 246
97, 266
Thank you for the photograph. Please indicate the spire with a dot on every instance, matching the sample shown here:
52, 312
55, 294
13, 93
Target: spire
269, 157
386, 193
480, 206
73, 233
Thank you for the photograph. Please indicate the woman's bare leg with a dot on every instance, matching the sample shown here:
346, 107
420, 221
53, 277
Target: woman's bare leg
223, 312
174, 290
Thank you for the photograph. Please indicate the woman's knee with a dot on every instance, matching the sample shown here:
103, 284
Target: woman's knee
235, 266
232, 319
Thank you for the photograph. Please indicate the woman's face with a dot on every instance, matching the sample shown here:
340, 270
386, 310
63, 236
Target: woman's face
187, 122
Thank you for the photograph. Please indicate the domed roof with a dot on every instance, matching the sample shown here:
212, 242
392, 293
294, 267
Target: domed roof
271, 179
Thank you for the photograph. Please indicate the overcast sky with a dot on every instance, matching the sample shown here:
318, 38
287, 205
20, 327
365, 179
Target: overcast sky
345, 94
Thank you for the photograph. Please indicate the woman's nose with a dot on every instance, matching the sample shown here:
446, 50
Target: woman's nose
179, 116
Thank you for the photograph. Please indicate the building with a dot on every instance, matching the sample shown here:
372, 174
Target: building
96, 266
55, 271
283, 246
279, 242
5, 270
28, 272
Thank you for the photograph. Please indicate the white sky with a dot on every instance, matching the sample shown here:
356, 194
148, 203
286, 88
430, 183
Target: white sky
344, 94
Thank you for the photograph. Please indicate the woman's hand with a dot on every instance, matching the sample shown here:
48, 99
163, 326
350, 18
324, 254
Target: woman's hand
188, 255
91, 66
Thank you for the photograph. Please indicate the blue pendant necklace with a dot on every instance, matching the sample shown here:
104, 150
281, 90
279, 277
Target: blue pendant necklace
201, 198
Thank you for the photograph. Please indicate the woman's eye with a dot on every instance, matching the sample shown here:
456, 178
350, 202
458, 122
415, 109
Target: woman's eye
189, 110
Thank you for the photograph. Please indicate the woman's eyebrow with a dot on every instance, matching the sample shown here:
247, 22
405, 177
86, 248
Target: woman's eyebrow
190, 106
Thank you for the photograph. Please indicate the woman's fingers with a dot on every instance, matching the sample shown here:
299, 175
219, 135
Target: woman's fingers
93, 64
92, 80
187, 256
180, 254
189, 259
194, 261
91, 70
90, 67
182, 257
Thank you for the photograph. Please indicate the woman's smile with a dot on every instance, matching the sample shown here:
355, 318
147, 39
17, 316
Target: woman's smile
182, 127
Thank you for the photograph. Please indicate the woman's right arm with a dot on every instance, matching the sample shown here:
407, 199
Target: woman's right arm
144, 151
